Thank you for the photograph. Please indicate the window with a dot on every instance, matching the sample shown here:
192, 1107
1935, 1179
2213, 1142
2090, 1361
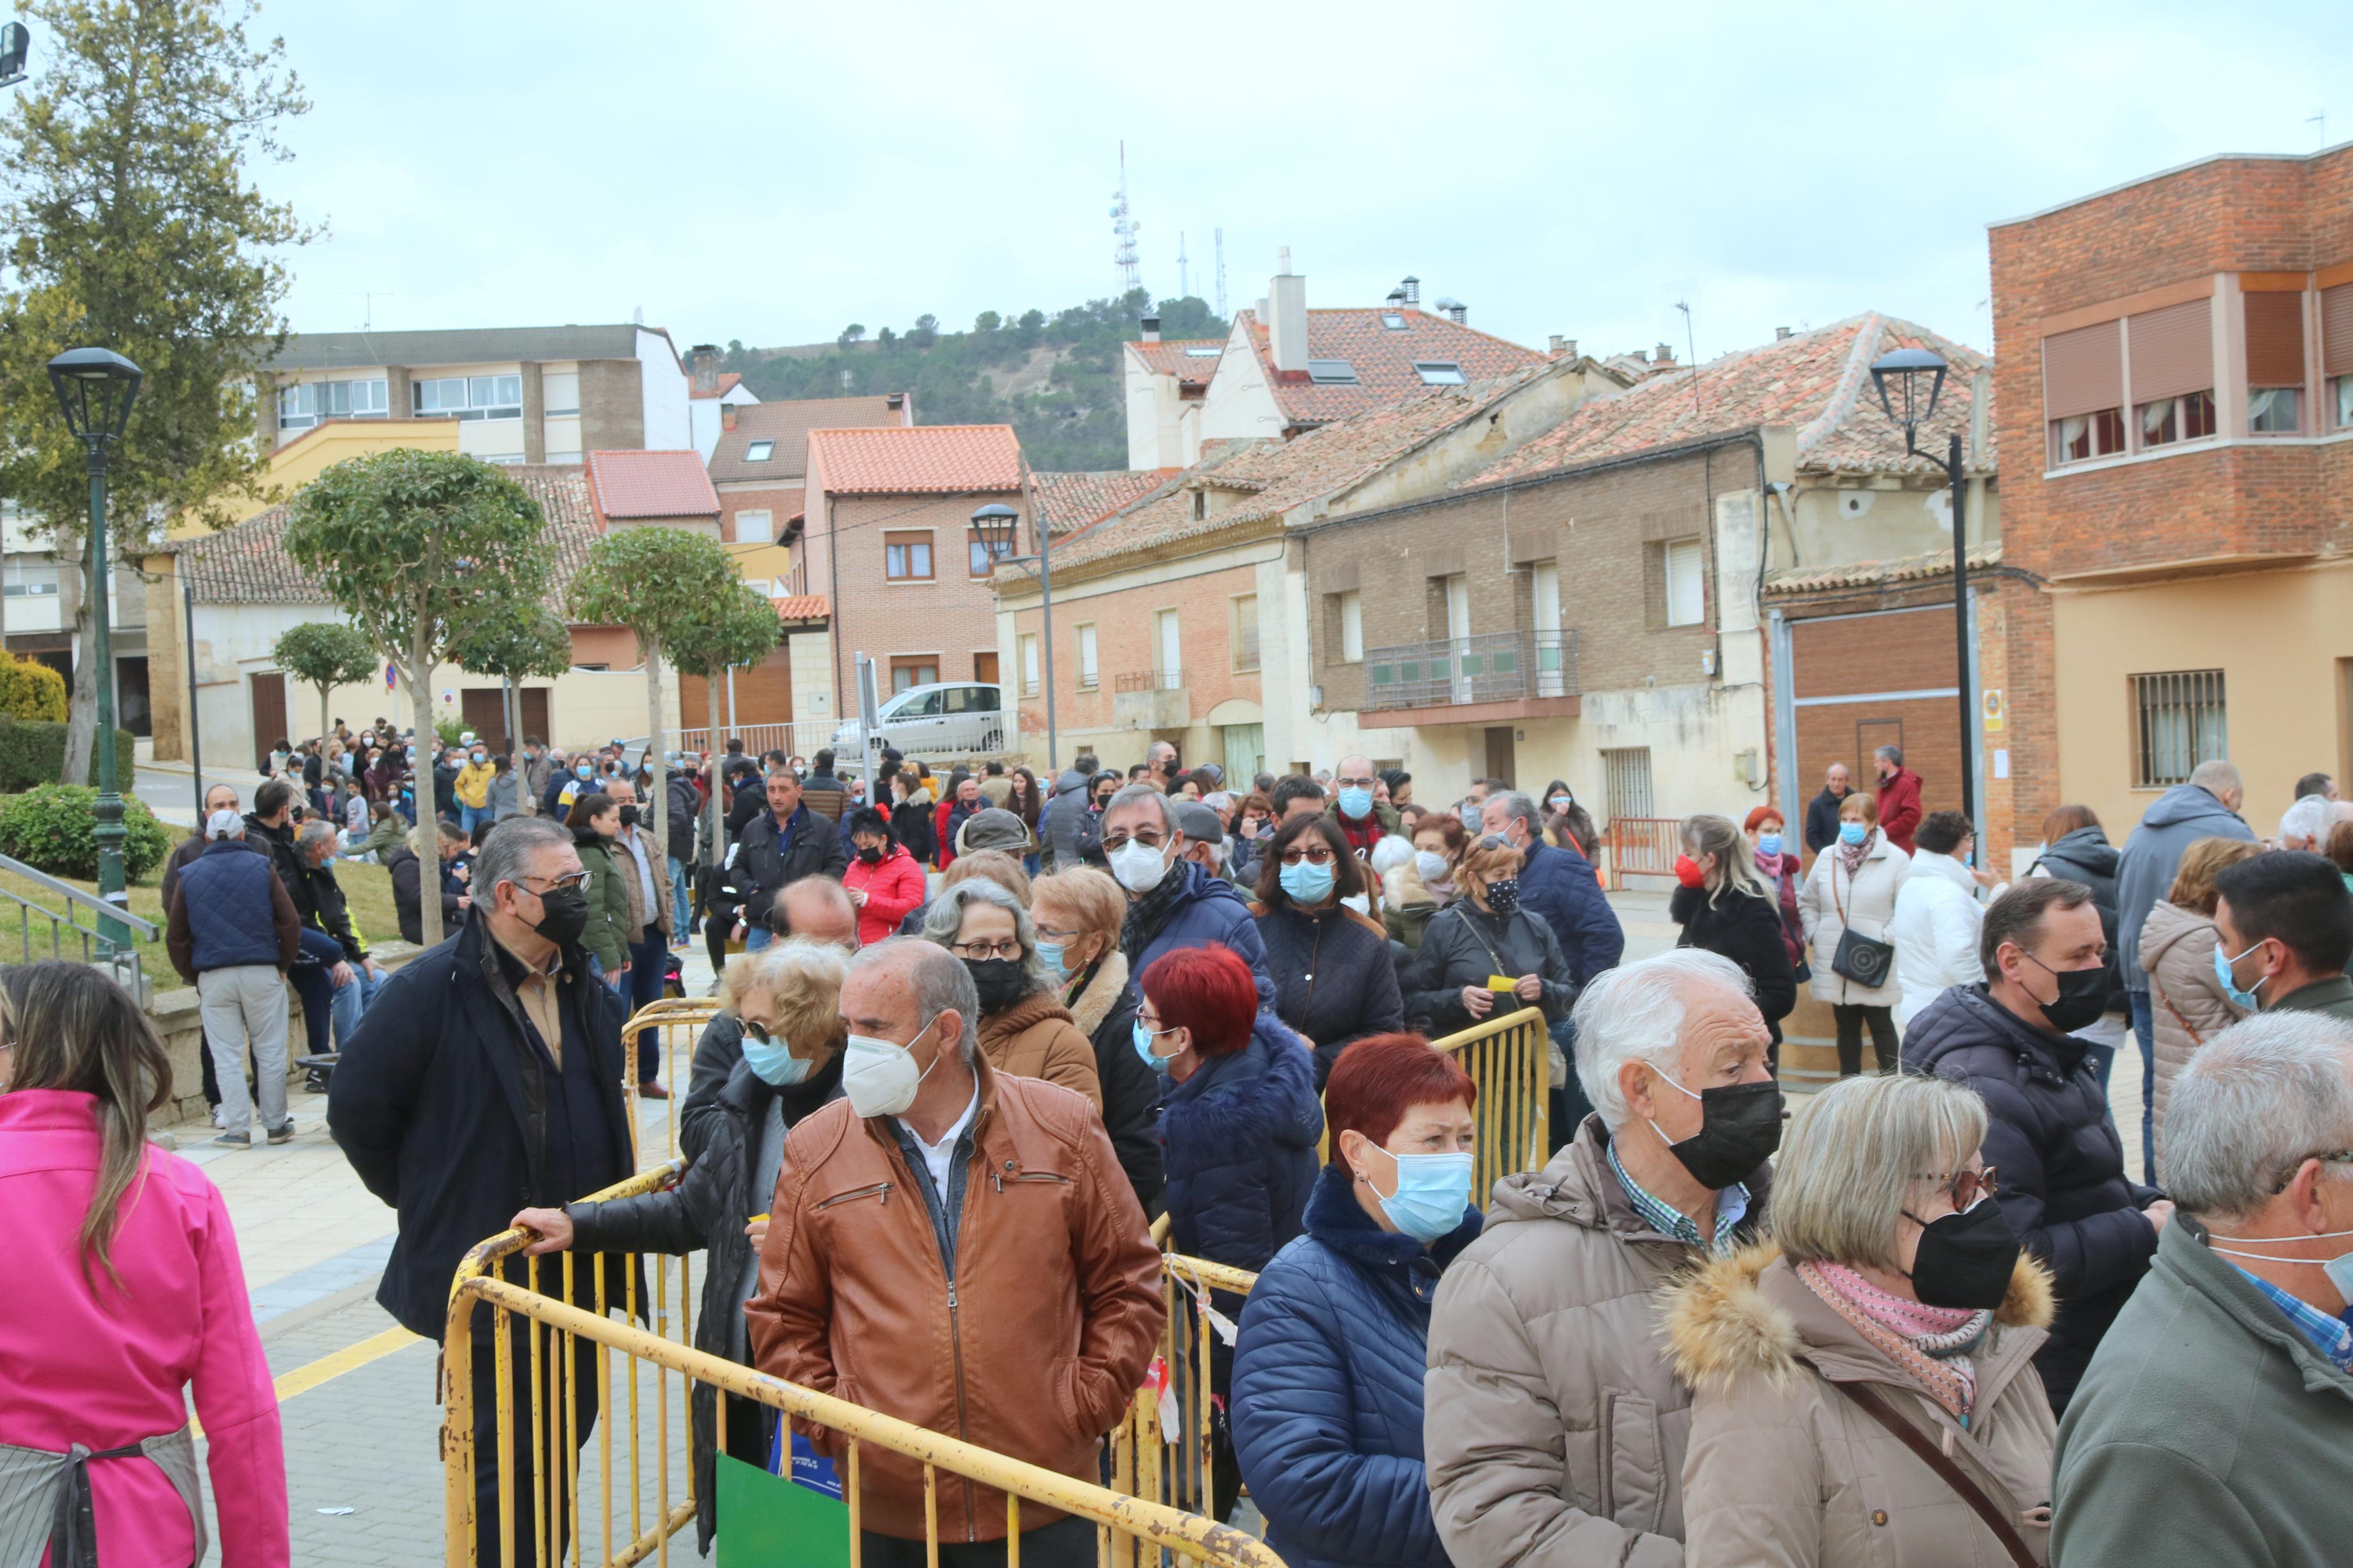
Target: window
2341, 390
907, 558
1438, 372
1204, 353
759, 451
556, 456
1201, 505
1351, 609
559, 394
2172, 373
29, 577
1090, 674
981, 698
1686, 582
1167, 651
2083, 392
2274, 362
469, 396
2088, 436
1392, 321
1029, 664
755, 527
983, 556
2337, 351
1245, 631
2178, 722
1626, 780
302, 407
2272, 411
915, 669
2170, 419
1331, 373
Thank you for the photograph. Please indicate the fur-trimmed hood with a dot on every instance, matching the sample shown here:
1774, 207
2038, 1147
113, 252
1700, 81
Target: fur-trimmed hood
1729, 1319
1093, 1004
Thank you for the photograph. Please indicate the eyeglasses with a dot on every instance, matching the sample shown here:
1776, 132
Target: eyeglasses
2341, 1157
1051, 933
1008, 948
1315, 855
1496, 841
1967, 1186
1150, 837
555, 884
1353, 784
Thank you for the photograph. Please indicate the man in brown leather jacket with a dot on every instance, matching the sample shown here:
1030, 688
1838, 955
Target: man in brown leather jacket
956, 1247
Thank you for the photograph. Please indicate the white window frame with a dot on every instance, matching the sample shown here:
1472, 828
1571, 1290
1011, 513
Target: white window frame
1242, 616
1090, 668
480, 397
548, 408
1685, 559
365, 399
1352, 627
1441, 373
765, 532
759, 451
1029, 647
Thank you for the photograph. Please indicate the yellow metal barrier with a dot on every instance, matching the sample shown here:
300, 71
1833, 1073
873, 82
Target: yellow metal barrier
681, 1020
1510, 1059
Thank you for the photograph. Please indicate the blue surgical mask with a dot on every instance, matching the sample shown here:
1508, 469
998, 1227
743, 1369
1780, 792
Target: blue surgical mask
1355, 803
772, 1063
1769, 844
1852, 833
1049, 953
1433, 1191
2241, 999
584, 773
1144, 1038
1307, 883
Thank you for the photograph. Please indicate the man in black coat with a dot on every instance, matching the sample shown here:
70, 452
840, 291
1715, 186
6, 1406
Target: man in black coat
487, 1078
220, 797
1822, 812
2049, 1134
782, 844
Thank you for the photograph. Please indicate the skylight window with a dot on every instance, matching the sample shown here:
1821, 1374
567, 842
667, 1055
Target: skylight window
761, 451
1440, 372
1331, 373
1203, 354
1394, 321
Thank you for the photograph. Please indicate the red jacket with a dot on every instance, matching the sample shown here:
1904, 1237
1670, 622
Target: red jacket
893, 887
1899, 807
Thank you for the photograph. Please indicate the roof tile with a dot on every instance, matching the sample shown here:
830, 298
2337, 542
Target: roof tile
802, 608
1383, 359
1875, 573
787, 424
1173, 356
1070, 501
627, 485
908, 460
728, 382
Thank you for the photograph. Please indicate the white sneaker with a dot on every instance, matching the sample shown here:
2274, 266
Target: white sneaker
219, 1119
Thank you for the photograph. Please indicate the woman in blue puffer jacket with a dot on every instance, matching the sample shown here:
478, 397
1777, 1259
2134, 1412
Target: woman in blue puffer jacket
1326, 1407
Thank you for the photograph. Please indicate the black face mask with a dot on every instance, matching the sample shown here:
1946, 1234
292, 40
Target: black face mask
870, 854
1503, 895
1966, 1259
999, 981
2083, 996
629, 816
1739, 1129
564, 915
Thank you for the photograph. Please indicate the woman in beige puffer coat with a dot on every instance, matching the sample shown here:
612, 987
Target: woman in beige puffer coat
2186, 1000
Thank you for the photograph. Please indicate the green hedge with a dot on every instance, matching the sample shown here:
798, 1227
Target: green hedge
51, 828
34, 753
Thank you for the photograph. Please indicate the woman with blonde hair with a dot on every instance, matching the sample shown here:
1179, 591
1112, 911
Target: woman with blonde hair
1077, 912
1864, 1387
130, 1292
1724, 908
2186, 1001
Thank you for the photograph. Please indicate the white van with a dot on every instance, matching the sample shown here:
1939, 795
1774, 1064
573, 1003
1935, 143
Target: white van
948, 718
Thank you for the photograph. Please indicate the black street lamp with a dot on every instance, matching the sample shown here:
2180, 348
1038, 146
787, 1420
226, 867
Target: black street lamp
998, 525
95, 388
1913, 378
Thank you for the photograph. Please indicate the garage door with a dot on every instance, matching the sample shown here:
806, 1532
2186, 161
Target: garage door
1869, 680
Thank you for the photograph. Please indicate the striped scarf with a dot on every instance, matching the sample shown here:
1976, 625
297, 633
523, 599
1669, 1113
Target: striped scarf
1930, 1344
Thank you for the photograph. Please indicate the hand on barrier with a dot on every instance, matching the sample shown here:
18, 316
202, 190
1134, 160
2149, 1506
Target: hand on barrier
551, 1228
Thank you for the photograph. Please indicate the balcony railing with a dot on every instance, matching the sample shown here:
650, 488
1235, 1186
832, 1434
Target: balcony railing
1496, 666
1150, 680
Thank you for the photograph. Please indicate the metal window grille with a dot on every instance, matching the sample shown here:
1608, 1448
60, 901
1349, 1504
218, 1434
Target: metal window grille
1626, 774
2178, 722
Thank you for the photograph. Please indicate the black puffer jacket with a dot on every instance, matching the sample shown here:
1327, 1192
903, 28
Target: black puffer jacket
1455, 953
2085, 856
1747, 931
707, 1209
1333, 981
2063, 1187
408, 895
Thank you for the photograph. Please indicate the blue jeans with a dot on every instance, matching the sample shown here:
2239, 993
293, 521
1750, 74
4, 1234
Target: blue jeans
310, 978
352, 1000
757, 937
472, 816
649, 961
2144, 1027
681, 898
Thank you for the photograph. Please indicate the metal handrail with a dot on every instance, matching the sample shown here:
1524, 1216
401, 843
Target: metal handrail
147, 930
1492, 667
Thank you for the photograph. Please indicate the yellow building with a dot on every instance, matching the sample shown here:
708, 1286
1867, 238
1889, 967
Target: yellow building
321, 448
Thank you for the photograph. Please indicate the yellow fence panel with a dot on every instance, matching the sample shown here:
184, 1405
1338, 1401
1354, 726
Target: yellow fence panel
681, 1020
1510, 1059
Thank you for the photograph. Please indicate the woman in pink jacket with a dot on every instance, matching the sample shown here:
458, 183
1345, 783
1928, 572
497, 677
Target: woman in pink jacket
121, 1257
884, 882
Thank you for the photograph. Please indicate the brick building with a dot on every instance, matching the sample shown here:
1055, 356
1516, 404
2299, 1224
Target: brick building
2176, 363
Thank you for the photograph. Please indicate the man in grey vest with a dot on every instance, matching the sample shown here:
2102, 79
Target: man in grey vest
232, 932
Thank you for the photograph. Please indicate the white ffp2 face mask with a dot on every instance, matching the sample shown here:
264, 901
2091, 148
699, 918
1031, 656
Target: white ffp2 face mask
1138, 866
879, 1077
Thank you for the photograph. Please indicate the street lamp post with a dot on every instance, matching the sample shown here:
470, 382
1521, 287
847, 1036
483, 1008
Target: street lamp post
997, 524
95, 389
1904, 370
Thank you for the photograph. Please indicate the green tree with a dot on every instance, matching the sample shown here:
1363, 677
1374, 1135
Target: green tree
533, 643
325, 654
657, 581
421, 550
737, 628
137, 227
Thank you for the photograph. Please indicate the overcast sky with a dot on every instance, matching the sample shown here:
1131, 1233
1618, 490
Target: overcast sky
771, 172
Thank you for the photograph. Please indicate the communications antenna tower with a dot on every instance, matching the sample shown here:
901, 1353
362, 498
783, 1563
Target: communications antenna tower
1184, 275
1123, 228
1221, 276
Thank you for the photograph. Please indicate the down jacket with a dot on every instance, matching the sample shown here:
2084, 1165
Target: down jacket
1935, 931
2186, 1000
1560, 885
1327, 1387
1833, 900
1785, 1470
1335, 982
2152, 855
1034, 1037
1206, 910
1459, 948
1746, 928
1103, 1003
1555, 1426
2064, 1188
1240, 1137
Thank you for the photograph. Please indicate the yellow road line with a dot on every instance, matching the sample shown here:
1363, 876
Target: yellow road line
350, 1358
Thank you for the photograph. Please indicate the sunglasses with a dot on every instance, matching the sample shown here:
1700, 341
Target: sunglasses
1319, 854
1967, 1186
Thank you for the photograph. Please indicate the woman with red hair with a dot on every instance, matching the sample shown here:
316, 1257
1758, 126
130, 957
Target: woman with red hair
1780, 871
1328, 1370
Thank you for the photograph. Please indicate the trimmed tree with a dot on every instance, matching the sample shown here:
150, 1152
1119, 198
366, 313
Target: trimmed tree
422, 549
734, 629
532, 645
660, 582
325, 654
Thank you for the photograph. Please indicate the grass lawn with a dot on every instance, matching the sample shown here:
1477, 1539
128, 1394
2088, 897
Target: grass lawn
367, 888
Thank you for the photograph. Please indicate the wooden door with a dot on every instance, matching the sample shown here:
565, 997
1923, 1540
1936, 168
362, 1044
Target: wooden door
534, 711
484, 711
984, 668
269, 716
1501, 755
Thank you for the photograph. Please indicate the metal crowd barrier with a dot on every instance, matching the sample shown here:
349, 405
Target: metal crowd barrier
681, 1020
1510, 1059
1644, 847
1164, 1452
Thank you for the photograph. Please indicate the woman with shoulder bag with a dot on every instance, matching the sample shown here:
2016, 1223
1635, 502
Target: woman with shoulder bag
1847, 901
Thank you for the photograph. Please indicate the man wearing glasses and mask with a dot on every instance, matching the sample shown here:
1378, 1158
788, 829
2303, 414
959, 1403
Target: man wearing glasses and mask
1172, 901
488, 1069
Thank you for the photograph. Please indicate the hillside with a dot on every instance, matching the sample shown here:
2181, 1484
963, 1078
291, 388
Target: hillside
1054, 378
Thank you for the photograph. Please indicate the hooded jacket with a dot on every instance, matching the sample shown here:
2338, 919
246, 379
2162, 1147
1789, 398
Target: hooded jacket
2187, 1005
2064, 1188
1558, 884
1459, 947
610, 872
1785, 1470
1327, 1403
2144, 871
1832, 902
893, 887
1935, 931
1555, 1425
1066, 815
1240, 1137
1034, 1037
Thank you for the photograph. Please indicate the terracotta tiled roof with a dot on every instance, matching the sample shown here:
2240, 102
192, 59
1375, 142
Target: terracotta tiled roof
1070, 501
1257, 483
1819, 382
1383, 359
906, 460
802, 608
1171, 357
1875, 573
728, 382
788, 425
650, 484
247, 565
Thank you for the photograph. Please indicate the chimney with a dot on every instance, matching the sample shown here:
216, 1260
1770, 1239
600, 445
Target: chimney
896, 402
703, 360
1151, 329
1455, 310
726, 416
1286, 318
1662, 355
1412, 286
1780, 332
1557, 343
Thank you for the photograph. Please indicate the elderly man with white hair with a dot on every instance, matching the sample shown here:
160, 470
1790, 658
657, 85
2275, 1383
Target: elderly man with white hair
2306, 823
1555, 1427
2215, 1424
